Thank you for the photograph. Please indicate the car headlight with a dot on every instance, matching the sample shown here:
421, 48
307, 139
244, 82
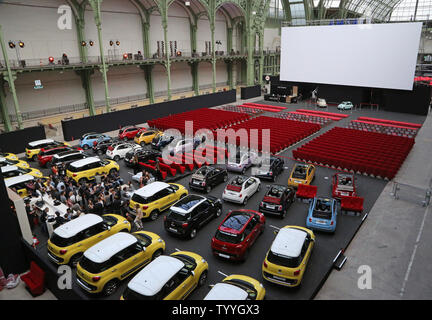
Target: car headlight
203, 261
160, 240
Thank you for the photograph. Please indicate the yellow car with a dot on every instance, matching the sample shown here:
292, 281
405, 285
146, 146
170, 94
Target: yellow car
34, 147
286, 261
237, 287
69, 241
172, 277
155, 198
146, 137
9, 156
86, 169
19, 184
8, 162
103, 266
14, 171
301, 174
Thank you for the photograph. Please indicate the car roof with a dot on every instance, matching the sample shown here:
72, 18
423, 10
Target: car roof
188, 203
71, 228
289, 242
8, 168
151, 189
104, 250
226, 291
236, 221
39, 142
18, 179
155, 275
85, 161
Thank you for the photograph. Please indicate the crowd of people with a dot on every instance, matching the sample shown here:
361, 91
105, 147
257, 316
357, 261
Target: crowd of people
107, 193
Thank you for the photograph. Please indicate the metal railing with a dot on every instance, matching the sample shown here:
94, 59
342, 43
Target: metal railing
409, 193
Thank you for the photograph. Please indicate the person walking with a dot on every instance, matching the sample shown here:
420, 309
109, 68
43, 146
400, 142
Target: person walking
138, 217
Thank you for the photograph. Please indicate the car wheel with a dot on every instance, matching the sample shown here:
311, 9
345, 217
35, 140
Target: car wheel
34, 158
154, 215
100, 152
116, 158
245, 200
244, 170
208, 189
85, 147
203, 278
246, 255
110, 287
183, 195
259, 187
193, 233
82, 181
75, 259
125, 139
142, 144
284, 213
157, 253
225, 178
124, 230
112, 171
48, 164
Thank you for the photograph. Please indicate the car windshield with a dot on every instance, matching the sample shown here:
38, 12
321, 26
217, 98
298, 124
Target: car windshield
300, 172
139, 199
92, 267
280, 260
229, 237
237, 181
275, 191
60, 241
178, 216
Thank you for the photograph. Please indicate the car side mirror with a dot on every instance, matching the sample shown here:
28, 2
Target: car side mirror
211, 286
192, 273
109, 228
144, 248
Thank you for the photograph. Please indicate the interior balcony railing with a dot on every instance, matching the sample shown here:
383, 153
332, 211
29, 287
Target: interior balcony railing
70, 62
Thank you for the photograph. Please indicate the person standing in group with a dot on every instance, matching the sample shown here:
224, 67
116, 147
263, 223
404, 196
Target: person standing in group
138, 217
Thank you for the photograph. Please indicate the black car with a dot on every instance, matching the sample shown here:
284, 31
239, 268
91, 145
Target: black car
270, 172
277, 200
66, 157
206, 178
101, 147
142, 155
191, 213
161, 141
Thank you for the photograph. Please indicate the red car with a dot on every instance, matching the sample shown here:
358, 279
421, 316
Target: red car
46, 154
237, 233
128, 133
344, 184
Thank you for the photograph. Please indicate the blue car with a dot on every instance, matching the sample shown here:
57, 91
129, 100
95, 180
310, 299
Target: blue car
322, 215
87, 140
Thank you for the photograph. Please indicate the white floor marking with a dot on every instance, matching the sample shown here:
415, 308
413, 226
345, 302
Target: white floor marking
402, 291
225, 275
177, 249
275, 227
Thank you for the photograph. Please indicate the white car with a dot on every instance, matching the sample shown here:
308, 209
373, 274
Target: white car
241, 188
137, 178
243, 161
185, 146
118, 150
345, 105
321, 103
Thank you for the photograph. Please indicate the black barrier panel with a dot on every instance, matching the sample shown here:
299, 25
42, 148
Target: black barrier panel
74, 129
15, 141
413, 102
250, 92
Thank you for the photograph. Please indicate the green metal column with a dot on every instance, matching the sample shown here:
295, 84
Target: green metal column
10, 78
261, 60
148, 73
194, 71
193, 37
229, 40
163, 9
3, 107
96, 4
229, 64
146, 39
87, 85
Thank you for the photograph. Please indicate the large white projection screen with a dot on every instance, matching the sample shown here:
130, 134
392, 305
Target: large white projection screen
366, 55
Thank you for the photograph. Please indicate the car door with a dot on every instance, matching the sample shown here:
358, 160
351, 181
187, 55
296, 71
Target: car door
165, 198
254, 185
205, 213
252, 230
94, 234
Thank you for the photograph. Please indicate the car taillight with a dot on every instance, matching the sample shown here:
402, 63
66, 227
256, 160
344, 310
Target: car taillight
185, 225
96, 278
262, 204
271, 173
165, 218
280, 208
203, 184
265, 264
110, 148
28, 152
240, 195
297, 272
74, 175
331, 223
63, 251
94, 143
145, 207
310, 219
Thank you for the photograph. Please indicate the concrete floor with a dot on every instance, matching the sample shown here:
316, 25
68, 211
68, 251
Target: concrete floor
387, 241
394, 241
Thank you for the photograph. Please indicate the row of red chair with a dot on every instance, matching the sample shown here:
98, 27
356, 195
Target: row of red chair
241, 109
202, 119
361, 151
297, 116
264, 105
324, 113
383, 128
283, 133
392, 122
